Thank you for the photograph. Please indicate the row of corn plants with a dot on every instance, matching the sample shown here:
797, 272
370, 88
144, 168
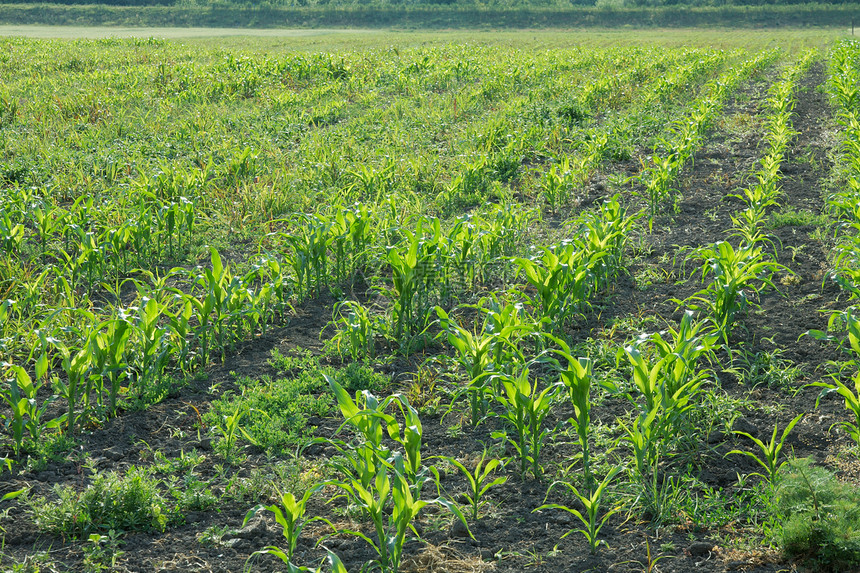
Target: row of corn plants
569, 172
736, 272
669, 369
843, 326
687, 134
764, 192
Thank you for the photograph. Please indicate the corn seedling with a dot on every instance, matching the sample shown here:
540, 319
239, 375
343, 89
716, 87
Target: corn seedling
290, 515
366, 415
769, 459
479, 481
577, 378
476, 356
108, 346
557, 183
525, 407
733, 272
606, 232
414, 270
76, 365
851, 396
409, 435
356, 328
391, 527
670, 394
644, 436
20, 391
230, 427
562, 278
591, 521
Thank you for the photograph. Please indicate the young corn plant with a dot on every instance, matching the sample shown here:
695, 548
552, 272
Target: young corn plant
356, 329
30, 389
850, 394
557, 183
350, 240
525, 407
48, 222
150, 345
646, 439
480, 480
366, 415
375, 478
591, 521
76, 365
680, 354
769, 459
502, 228
463, 255
658, 182
108, 345
290, 515
563, 279
11, 234
606, 232
391, 527
414, 269
650, 380
510, 326
230, 428
475, 352
577, 378
733, 272
19, 393
220, 308
309, 252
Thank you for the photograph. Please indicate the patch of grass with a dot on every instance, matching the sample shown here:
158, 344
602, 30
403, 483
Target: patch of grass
193, 494
53, 447
821, 518
299, 359
790, 217
356, 376
769, 369
650, 275
33, 563
265, 484
183, 463
274, 412
130, 502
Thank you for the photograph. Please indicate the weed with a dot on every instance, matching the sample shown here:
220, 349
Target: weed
102, 552
131, 502
822, 517
768, 369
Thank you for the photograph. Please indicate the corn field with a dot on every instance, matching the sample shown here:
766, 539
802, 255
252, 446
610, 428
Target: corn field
437, 307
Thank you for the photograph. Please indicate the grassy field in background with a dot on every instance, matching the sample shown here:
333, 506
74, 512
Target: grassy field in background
791, 39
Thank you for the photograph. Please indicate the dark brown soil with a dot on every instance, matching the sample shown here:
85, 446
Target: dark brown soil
512, 537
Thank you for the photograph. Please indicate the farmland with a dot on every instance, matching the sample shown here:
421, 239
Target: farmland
412, 302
